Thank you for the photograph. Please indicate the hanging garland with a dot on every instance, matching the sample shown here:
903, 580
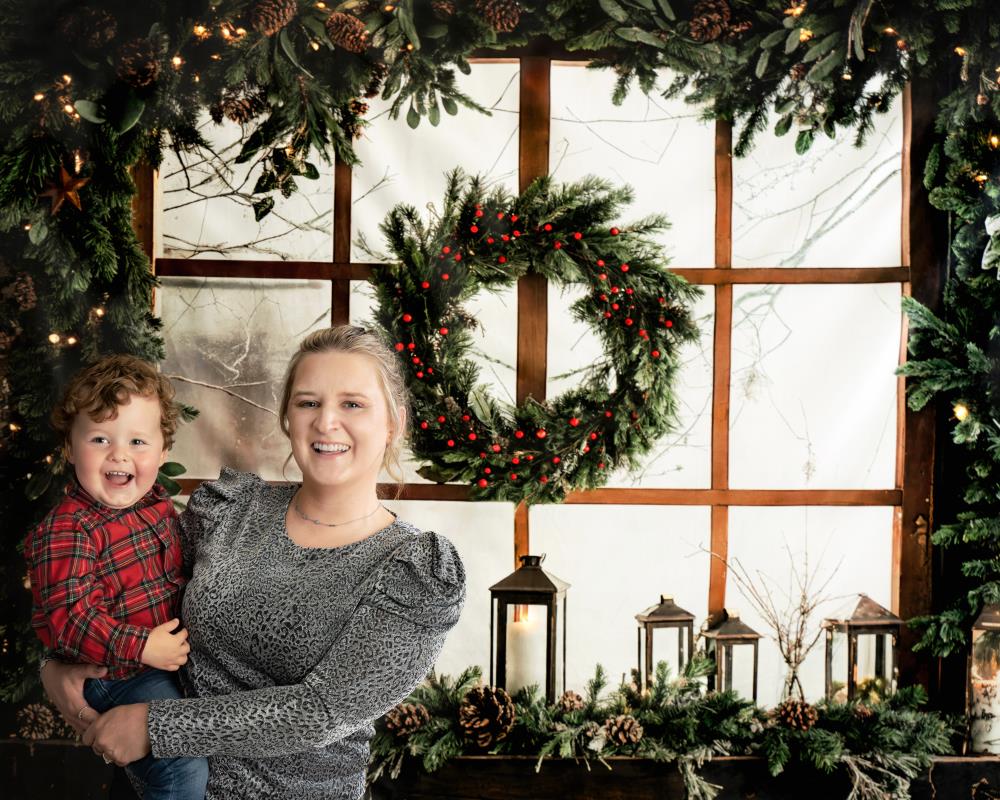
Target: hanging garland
538, 451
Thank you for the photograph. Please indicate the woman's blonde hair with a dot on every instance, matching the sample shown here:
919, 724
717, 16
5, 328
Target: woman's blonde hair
353, 339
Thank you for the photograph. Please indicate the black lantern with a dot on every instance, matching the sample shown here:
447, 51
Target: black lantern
667, 614
727, 642
983, 689
862, 653
529, 585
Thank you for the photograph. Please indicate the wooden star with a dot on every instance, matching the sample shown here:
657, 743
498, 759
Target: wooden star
67, 189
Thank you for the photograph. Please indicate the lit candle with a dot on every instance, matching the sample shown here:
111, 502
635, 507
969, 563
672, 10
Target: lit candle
526, 650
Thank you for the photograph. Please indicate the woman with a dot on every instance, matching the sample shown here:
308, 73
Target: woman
311, 609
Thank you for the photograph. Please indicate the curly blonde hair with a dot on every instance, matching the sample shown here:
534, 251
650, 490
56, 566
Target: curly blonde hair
99, 389
354, 339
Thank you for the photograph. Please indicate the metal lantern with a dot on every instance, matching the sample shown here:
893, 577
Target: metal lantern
983, 702
667, 614
862, 652
528, 586
721, 640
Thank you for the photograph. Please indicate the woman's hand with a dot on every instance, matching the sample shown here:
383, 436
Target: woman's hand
120, 734
64, 686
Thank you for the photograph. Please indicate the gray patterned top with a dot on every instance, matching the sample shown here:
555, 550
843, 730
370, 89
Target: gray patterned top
296, 651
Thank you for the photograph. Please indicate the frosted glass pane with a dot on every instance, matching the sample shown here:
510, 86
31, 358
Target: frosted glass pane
483, 534
813, 397
619, 560
228, 342
206, 206
852, 547
682, 459
494, 345
661, 148
401, 165
836, 206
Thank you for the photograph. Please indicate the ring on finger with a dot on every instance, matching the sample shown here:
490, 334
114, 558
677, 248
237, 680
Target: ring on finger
105, 757
79, 714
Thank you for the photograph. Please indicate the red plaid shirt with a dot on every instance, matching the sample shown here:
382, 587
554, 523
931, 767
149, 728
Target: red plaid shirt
102, 577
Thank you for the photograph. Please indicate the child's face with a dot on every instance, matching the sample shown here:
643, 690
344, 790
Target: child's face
117, 460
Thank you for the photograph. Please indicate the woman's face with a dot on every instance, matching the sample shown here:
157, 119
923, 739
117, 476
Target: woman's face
338, 422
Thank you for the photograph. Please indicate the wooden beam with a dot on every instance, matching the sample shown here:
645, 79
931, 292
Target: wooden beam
796, 275
276, 270
144, 217
340, 294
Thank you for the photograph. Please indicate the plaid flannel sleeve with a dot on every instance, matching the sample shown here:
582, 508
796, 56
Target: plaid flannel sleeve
61, 561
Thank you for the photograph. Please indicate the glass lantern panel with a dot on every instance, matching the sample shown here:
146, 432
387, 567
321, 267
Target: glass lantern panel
874, 677
400, 165
739, 669
228, 341
669, 645
664, 149
526, 647
838, 686
984, 693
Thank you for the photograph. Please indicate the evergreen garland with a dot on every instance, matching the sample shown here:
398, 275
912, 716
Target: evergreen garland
538, 451
881, 746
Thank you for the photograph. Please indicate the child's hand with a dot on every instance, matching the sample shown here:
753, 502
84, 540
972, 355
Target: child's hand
166, 650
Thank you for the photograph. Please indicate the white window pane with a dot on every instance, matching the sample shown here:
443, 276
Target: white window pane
850, 546
401, 165
657, 550
661, 148
835, 206
482, 534
228, 342
813, 394
206, 206
681, 459
494, 350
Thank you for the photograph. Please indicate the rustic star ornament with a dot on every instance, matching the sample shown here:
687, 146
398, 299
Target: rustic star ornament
67, 188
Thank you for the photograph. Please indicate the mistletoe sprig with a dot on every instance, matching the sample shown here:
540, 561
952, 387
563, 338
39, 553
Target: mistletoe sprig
881, 746
538, 451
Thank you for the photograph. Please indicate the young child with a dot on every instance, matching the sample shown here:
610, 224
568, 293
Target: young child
105, 564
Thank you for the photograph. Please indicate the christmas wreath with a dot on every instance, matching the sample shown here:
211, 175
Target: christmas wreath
539, 450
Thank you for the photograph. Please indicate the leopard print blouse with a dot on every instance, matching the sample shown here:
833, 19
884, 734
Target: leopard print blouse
296, 651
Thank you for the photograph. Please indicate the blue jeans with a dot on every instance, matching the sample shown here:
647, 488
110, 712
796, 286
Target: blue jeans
163, 778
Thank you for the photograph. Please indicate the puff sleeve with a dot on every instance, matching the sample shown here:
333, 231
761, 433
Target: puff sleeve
389, 645
211, 505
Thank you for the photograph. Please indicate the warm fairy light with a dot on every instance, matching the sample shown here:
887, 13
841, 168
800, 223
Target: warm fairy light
68, 108
27, 226
994, 141
200, 31
77, 161
54, 338
847, 75
196, 77
177, 61
67, 79
960, 51
805, 35
409, 45
314, 44
216, 57
321, 5
39, 96
389, 8
890, 31
14, 427
98, 312
796, 9
48, 459
241, 32
961, 412
71, 340
901, 44
980, 178
225, 30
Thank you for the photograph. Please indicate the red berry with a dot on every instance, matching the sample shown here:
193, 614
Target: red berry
578, 236
608, 414
446, 249
556, 460
483, 483
614, 290
474, 229
629, 290
399, 346
499, 215
540, 433
451, 443
615, 231
496, 448
544, 479
615, 306
548, 227
504, 237
513, 476
643, 333
624, 267
441, 418
416, 360
607, 315
479, 212
487, 470
663, 300
518, 434
593, 437
472, 437
628, 321
586, 448
656, 354
600, 465
420, 374
574, 421
465, 418
445, 276
600, 262
516, 233
411, 346
531, 457
513, 217
443, 331
669, 323
458, 256
557, 245
430, 370
515, 460
604, 298
603, 276
424, 425
407, 318
482, 455
425, 285
502, 260
490, 240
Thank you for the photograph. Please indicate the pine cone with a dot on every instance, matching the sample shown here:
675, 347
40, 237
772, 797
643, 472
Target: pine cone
406, 718
486, 715
24, 292
798, 71
591, 729
267, 17
737, 28
796, 714
138, 63
379, 71
240, 105
623, 729
710, 20
570, 701
88, 29
864, 711
501, 15
35, 721
347, 31
443, 9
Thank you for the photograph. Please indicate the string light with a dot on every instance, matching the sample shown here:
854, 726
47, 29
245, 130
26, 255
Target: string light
54, 338
321, 5
796, 9
196, 78
960, 51
68, 108
961, 412
805, 35
67, 79
14, 427
225, 30
409, 45
177, 61
201, 31
994, 141
27, 226
980, 178
71, 340
39, 96
890, 31
48, 459
389, 8
241, 32
98, 312
847, 75
901, 44
215, 57
314, 44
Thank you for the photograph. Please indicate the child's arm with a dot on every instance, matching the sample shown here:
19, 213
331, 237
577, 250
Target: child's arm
61, 559
165, 649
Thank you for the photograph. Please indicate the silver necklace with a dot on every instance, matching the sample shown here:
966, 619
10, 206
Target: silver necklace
307, 518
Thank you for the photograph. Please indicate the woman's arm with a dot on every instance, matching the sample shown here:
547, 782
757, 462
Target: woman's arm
63, 684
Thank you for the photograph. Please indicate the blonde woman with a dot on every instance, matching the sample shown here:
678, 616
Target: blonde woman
311, 608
